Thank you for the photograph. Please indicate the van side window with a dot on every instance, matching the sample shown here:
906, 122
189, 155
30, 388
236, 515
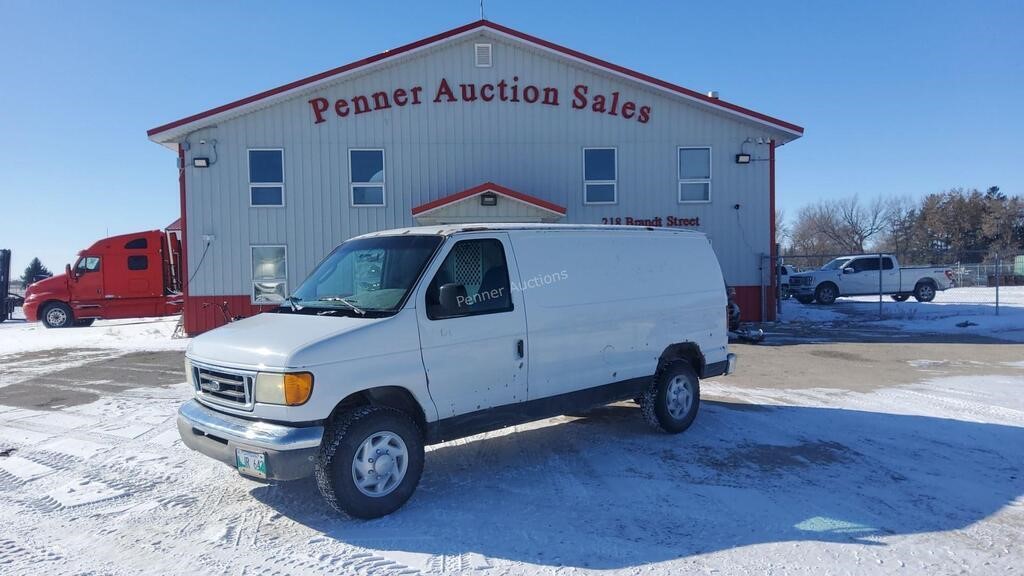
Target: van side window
479, 268
88, 264
138, 262
136, 244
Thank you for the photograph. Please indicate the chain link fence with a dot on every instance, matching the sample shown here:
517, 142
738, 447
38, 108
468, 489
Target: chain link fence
890, 286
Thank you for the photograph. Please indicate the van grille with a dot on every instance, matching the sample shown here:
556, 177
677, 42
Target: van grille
224, 386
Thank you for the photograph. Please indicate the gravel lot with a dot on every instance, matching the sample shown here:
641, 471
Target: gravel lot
816, 458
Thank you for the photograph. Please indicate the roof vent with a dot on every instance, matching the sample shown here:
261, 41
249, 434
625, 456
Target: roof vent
713, 94
483, 55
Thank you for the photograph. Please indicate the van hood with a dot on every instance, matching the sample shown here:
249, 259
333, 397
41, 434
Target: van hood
270, 340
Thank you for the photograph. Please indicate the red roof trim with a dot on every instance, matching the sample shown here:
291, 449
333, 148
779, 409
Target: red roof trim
466, 28
318, 77
644, 77
485, 187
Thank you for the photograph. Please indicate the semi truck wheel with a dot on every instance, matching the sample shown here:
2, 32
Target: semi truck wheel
57, 315
671, 402
370, 461
924, 292
826, 293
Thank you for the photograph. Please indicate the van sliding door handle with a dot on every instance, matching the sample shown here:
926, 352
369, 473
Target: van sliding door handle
519, 347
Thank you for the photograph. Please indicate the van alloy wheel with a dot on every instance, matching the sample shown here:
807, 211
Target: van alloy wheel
370, 461
672, 400
680, 397
380, 463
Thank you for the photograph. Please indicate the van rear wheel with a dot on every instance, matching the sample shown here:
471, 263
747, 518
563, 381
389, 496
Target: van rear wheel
370, 461
671, 402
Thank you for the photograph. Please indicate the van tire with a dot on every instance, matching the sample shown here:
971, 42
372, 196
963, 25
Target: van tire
656, 404
57, 315
342, 440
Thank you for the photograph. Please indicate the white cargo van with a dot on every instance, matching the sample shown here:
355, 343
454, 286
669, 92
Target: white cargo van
410, 337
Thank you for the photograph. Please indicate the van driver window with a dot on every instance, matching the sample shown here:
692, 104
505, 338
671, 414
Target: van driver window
88, 264
479, 275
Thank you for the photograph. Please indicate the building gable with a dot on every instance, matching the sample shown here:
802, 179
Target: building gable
481, 30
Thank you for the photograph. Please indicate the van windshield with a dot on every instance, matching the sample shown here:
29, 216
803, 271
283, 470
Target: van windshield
836, 264
366, 275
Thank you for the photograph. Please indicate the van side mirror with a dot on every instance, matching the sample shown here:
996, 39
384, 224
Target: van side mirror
452, 297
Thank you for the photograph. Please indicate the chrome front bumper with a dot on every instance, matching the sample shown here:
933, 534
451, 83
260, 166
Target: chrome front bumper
290, 450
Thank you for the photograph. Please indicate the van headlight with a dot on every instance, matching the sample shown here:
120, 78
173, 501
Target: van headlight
287, 389
188, 373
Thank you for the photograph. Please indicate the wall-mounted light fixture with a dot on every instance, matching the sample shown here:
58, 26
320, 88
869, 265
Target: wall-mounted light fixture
200, 162
743, 158
488, 199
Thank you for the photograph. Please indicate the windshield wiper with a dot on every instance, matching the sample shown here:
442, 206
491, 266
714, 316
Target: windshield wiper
344, 301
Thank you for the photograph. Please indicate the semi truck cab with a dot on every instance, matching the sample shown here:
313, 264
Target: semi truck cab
125, 276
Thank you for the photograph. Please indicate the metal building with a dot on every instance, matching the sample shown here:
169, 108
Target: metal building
479, 123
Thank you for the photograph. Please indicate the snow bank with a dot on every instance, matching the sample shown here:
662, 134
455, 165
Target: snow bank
136, 334
959, 310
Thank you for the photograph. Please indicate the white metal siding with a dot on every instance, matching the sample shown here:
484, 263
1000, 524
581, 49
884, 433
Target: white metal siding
433, 150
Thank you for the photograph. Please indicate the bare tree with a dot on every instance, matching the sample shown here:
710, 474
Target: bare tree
901, 215
839, 226
783, 233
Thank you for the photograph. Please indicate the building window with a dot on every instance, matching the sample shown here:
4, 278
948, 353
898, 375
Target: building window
269, 274
266, 177
138, 262
366, 173
695, 174
600, 171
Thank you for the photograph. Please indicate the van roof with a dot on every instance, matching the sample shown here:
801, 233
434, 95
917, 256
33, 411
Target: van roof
449, 229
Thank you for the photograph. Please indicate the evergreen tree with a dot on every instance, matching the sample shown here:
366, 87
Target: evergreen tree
34, 271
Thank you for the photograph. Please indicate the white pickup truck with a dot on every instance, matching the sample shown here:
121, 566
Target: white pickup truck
860, 275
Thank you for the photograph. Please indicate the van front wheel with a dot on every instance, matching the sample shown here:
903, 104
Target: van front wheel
671, 402
370, 461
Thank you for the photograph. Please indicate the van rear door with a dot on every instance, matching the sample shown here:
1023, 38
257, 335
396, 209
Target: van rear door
473, 352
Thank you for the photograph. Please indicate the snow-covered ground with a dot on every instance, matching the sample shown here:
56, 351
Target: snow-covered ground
969, 311
123, 335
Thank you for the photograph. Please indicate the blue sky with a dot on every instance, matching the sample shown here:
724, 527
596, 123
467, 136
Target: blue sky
898, 98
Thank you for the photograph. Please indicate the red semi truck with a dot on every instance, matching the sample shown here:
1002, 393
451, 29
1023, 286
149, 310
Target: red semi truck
126, 276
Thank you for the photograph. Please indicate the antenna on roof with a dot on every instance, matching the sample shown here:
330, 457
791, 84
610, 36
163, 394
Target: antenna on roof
482, 9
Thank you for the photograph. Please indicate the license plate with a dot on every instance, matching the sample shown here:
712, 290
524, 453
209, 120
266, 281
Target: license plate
251, 463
